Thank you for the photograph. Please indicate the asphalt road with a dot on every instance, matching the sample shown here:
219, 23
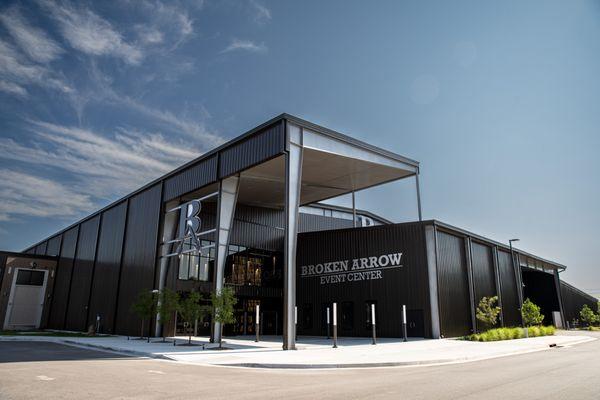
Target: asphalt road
34, 370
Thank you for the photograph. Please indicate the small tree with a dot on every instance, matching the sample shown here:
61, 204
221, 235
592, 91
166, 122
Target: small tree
145, 307
531, 314
191, 310
168, 304
587, 315
488, 311
222, 304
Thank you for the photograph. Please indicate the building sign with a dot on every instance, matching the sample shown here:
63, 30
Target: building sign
354, 270
189, 224
189, 228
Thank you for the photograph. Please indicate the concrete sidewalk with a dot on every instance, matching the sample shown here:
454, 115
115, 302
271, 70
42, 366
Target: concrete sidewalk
317, 352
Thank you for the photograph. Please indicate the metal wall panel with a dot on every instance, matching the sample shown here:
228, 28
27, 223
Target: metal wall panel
453, 286
508, 286
191, 178
253, 150
262, 228
406, 285
62, 283
81, 281
139, 255
53, 248
40, 249
574, 300
106, 271
2, 266
311, 223
484, 278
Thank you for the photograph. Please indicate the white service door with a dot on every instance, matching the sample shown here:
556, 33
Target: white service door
26, 301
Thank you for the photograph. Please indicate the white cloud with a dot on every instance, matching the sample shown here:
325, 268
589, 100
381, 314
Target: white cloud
103, 166
262, 13
177, 124
245, 45
91, 34
166, 23
149, 35
12, 88
33, 41
23, 194
19, 72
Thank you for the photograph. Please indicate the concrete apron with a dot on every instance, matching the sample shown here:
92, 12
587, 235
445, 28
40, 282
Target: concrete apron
317, 353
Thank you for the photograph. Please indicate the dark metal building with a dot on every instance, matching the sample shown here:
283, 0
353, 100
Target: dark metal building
252, 205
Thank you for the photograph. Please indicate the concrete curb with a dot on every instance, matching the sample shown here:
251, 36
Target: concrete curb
416, 363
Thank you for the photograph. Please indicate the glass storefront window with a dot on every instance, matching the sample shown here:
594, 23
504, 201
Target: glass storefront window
194, 267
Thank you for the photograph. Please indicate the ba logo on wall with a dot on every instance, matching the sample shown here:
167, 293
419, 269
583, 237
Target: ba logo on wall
354, 270
189, 226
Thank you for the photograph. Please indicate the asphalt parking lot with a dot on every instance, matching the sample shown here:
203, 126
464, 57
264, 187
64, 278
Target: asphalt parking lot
36, 370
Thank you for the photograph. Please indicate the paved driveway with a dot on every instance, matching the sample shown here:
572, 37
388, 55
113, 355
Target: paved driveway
37, 370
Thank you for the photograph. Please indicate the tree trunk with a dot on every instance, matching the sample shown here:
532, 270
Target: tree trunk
221, 335
142, 330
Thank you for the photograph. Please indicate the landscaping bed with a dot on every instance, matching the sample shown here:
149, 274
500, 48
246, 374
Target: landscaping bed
497, 334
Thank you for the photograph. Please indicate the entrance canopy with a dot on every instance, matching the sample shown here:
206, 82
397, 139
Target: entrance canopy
332, 165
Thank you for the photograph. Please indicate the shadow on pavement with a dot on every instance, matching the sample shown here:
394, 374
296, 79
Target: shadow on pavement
29, 351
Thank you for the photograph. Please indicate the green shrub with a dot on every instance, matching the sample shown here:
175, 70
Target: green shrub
587, 315
488, 311
531, 313
534, 331
517, 333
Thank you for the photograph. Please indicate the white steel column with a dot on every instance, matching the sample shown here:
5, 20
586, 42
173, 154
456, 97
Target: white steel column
293, 181
418, 187
228, 192
168, 233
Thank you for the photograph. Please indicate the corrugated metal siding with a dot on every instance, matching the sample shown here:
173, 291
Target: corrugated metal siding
139, 255
191, 178
508, 288
62, 283
453, 286
53, 248
407, 285
81, 280
262, 228
574, 300
40, 249
484, 278
106, 271
311, 223
253, 150
2, 266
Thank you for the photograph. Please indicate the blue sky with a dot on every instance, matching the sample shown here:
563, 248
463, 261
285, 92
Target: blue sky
499, 101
